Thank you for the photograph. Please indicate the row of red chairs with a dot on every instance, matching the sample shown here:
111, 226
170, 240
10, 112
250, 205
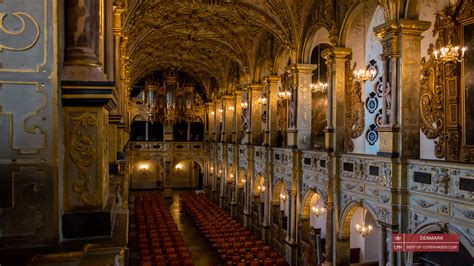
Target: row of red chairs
159, 240
232, 242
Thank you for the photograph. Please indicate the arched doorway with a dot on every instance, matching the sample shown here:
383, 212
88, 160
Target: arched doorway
241, 194
258, 204
319, 97
363, 246
279, 216
187, 174
313, 229
146, 174
138, 131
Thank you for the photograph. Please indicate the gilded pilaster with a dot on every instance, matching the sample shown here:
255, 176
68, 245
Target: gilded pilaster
84, 43
299, 119
336, 58
271, 124
238, 116
254, 129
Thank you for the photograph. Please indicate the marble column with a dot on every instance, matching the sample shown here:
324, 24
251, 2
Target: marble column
84, 41
383, 245
238, 117
401, 43
254, 129
267, 205
336, 58
329, 233
271, 124
229, 118
223, 176
299, 118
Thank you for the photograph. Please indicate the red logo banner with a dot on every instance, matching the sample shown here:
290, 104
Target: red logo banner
425, 243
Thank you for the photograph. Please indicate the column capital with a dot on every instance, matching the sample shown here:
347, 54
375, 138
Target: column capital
272, 78
254, 87
302, 68
238, 92
336, 52
228, 97
413, 27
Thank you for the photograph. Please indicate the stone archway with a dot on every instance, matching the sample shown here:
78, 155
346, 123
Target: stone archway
362, 249
279, 215
313, 227
146, 174
186, 173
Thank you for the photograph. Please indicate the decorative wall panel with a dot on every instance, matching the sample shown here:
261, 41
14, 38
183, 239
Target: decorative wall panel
28, 122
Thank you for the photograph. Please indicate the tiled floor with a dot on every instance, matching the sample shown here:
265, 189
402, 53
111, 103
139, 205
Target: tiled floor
197, 245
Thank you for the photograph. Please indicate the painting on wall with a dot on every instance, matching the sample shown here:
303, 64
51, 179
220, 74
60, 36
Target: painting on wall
469, 85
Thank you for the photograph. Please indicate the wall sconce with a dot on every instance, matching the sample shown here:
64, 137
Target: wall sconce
144, 166
220, 171
244, 105
262, 100
231, 176
212, 168
213, 113
231, 108
318, 210
243, 180
178, 166
283, 197
220, 111
260, 188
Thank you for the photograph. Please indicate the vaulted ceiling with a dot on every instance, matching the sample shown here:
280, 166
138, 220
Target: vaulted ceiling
207, 38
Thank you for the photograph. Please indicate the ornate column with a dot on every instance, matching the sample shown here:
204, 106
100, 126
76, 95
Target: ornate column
249, 186
229, 117
299, 118
336, 59
253, 130
329, 233
266, 226
84, 41
223, 176
238, 116
89, 140
337, 249
219, 120
294, 192
401, 44
272, 95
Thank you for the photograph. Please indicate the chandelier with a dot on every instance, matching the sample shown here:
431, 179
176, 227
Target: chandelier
244, 105
283, 197
363, 229
318, 210
319, 87
450, 53
284, 95
365, 74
